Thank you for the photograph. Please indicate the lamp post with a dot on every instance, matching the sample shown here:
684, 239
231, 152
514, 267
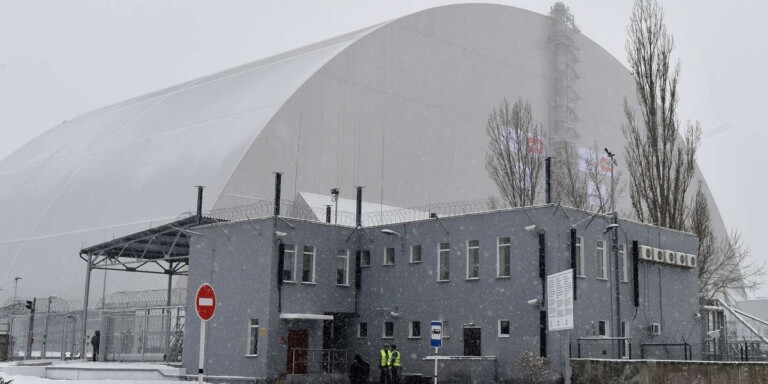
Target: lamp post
615, 250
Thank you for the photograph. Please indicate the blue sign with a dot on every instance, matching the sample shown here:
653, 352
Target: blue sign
436, 334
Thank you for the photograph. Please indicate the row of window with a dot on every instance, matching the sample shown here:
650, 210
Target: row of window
306, 269
414, 329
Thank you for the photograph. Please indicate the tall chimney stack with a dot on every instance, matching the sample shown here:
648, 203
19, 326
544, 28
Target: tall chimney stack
278, 181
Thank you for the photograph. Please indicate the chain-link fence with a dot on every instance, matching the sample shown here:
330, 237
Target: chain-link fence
134, 326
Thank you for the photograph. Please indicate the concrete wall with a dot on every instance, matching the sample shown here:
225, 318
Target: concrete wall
655, 372
239, 261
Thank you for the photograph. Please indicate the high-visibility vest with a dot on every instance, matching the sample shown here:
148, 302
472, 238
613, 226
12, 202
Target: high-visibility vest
394, 355
384, 357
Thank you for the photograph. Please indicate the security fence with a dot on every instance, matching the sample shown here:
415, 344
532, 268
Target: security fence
133, 326
666, 351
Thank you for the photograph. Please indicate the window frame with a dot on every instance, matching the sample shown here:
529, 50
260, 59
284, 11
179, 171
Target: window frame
294, 277
304, 254
411, 260
252, 337
602, 273
384, 330
499, 246
446, 329
606, 328
580, 257
473, 257
363, 254
411, 328
509, 328
441, 253
345, 256
360, 326
386, 254
624, 278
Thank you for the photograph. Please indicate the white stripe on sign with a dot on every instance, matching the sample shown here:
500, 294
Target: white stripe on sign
205, 302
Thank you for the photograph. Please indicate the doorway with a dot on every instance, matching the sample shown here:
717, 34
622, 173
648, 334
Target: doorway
298, 343
472, 337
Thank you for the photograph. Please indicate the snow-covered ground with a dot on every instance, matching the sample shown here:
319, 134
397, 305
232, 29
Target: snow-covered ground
119, 370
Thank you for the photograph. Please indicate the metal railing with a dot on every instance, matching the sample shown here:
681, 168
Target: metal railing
319, 361
666, 351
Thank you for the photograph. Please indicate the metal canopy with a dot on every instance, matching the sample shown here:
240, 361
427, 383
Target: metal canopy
163, 249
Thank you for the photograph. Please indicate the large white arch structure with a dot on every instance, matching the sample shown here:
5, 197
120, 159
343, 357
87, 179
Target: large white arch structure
399, 108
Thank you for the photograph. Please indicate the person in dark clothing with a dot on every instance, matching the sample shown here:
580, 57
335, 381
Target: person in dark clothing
95, 344
394, 365
359, 371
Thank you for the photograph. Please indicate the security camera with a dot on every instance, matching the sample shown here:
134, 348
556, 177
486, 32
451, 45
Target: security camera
530, 227
610, 226
533, 302
389, 232
394, 314
280, 234
713, 334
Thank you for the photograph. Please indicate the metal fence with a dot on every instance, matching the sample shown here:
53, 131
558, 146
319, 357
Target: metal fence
134, 326
317, 361
666, 351
602, 347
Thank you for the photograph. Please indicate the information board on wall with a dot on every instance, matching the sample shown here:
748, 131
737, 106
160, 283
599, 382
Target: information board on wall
560, 300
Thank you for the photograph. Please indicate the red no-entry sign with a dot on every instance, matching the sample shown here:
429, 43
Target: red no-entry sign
205, 302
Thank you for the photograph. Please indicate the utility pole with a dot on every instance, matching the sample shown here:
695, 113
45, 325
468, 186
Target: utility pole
615, 251
31, 304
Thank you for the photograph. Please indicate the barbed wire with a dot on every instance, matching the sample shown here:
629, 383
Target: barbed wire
290, 209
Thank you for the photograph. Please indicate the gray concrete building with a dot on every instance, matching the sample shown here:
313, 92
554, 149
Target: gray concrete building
291, 292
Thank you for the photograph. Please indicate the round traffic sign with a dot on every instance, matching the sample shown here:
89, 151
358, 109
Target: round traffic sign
205, 302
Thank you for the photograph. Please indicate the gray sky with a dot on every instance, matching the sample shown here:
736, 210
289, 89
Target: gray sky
60, 59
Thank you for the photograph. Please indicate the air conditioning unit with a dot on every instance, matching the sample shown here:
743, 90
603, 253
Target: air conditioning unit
669, 257
658, 255
682, 259
654, 329
691, 261
646, 253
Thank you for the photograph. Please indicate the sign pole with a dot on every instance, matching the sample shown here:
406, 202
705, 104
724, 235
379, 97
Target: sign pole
436, 340
436, 353
201, 360
205, 304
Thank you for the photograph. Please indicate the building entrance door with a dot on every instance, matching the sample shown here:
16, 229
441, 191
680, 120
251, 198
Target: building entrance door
298, 343
472, 341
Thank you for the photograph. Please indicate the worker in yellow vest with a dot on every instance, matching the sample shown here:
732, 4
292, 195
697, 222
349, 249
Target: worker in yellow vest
384, 366
394, 364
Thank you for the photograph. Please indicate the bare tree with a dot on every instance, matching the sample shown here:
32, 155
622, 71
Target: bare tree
514, 147
660, 164
533, 369
584, 179
725, 265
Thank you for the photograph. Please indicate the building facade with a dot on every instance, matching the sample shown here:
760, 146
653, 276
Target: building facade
286, 286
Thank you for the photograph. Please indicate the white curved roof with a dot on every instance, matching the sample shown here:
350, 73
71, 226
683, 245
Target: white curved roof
399, 107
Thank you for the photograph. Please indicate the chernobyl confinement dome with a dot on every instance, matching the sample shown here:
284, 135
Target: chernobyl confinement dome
399, 108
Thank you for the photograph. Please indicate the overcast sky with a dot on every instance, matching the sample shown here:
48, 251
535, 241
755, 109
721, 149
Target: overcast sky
59, 59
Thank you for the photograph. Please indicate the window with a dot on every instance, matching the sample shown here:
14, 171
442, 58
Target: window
504, 257
362, 330
580, 257
626, 348
389, 256
602, 270
365, 258
602, 328
623, 261
289, 263
389, 330
503, 328
253, 337
416, 254
308, 265
443, 262
415, 330
342, 267
446, 329
473, 259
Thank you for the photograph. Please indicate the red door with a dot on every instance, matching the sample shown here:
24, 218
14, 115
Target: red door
298, 342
